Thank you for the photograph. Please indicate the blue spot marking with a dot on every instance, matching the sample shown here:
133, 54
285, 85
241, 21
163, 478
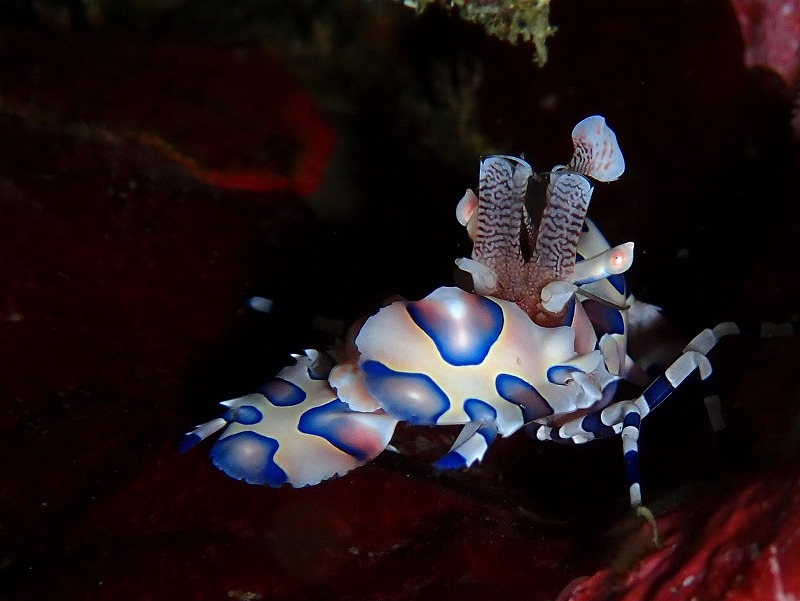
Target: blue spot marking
558, 374
480, 327
329, 421
518, 391
618, 281
480, 411
451, 461
245, 414
412, 397
658, 390
281, 393
234, 456
632, 419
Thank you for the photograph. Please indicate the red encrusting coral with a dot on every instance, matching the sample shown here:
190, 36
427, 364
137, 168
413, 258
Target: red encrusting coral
741, 543
771, 35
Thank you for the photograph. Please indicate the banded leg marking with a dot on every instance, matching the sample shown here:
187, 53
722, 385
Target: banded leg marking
625, 416
471, 445
630, 451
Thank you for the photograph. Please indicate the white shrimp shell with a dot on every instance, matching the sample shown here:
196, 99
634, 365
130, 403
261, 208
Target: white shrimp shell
422, 361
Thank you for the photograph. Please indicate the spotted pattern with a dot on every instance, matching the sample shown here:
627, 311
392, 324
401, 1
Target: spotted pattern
462, 326
438, 359
561, 374
480, 411
244, 414
281, 393
335, 423
518, 391
249, 456
413, 397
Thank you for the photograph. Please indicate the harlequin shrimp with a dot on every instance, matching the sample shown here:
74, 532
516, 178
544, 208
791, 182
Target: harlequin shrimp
541, 343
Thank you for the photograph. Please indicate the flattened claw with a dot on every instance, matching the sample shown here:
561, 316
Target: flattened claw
320, 442
294, 430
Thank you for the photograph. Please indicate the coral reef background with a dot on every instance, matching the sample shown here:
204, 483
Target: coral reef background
162, 161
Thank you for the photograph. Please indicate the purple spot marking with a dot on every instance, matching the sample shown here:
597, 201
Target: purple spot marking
281, 393
411, 397
332, 422
249, 456
463, 326
245, 414
519, 392
560, 374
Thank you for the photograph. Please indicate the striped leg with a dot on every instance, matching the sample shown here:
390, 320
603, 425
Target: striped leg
707, 339
625, 416
294, 430
470, 446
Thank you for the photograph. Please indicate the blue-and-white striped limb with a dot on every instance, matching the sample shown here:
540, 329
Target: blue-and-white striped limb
624, 417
